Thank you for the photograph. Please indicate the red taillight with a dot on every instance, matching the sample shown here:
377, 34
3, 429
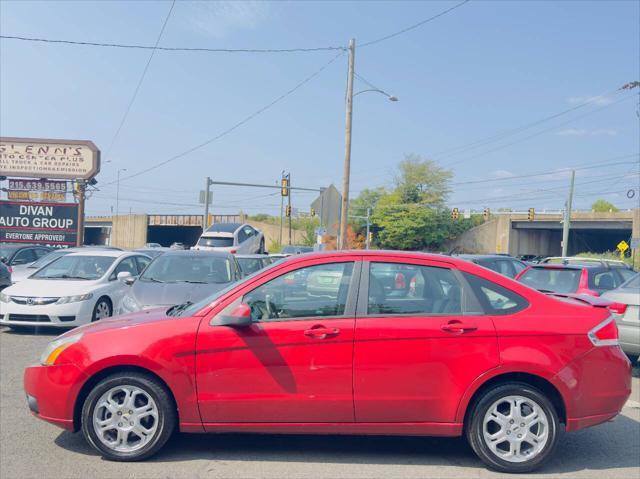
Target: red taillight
400, 282
618, 308
605, 333
10, 269
233, 251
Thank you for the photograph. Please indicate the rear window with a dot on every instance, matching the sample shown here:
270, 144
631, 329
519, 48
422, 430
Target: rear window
495, 299
217, 241
552, 279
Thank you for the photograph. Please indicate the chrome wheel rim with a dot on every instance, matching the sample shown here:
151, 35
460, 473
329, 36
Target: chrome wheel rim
125, 418
515, 428
102, 310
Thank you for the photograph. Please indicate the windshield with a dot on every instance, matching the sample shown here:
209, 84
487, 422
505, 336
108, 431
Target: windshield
551, 279
196, 268
218, 241
76, 267
195, 307
250, 265
48, 258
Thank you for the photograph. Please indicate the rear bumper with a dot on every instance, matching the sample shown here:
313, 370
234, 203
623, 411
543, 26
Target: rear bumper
52, 391
597, 384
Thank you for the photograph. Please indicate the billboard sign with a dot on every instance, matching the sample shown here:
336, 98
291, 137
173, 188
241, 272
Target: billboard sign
42, 158
51, 224
36, 196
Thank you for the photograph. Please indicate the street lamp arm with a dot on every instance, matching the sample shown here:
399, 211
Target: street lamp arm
390, 97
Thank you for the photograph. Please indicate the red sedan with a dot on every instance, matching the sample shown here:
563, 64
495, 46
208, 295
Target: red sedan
329, 344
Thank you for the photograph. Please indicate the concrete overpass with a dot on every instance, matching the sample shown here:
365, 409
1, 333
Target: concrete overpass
513, 233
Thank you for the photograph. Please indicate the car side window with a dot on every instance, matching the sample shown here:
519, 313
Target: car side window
242, 236
399, 288
143, 262
625, 274
603, 280
126, 265
494, 298
24, 256
505, 267
40, 252
248, 230
314, 291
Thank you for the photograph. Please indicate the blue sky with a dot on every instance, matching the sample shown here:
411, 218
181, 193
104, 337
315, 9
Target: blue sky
484, 69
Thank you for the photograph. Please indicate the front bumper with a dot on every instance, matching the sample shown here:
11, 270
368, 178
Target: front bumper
52, 392
60, 315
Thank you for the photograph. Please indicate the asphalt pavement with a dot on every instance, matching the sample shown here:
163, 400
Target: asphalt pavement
30, 448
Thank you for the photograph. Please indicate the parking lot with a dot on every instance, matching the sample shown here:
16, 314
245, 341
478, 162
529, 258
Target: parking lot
31, 448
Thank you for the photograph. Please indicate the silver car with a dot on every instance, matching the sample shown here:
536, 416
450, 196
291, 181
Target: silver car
233, 238
628, 324
178, 277
5, 276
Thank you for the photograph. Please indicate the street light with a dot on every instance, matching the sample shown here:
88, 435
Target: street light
344, 210
118, 191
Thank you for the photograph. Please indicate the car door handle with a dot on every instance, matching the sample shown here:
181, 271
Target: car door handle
458, 327
321, 332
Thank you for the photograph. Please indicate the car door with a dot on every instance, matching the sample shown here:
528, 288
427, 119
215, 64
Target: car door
242, 242
117, 289
417, 350
293, 364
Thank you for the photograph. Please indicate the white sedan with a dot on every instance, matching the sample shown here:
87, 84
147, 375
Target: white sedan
75, 289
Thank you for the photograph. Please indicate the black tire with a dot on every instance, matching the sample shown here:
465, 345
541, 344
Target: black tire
167, 416
104, 301
475, 423
261, 250
634, 359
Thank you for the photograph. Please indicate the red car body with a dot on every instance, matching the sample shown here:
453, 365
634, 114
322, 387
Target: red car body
358, 374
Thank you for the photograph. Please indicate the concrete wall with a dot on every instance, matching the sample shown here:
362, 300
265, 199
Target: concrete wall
129, 231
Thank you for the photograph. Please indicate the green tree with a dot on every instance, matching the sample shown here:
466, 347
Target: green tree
602, 206
422, 181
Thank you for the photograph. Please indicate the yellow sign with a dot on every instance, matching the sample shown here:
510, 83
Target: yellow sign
36, 195
623, 246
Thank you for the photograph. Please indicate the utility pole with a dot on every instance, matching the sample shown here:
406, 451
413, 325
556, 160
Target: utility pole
344, 211
567, 217
281, 205
289, 202
81, 186
118, 191
367, 245
207, 195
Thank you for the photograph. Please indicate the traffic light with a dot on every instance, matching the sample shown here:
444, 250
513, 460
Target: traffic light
532, 214
455, 214
288, 211
285, 186
486, 214
312, 212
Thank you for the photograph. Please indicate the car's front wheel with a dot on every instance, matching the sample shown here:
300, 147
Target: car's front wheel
128, 417
102, 309
513, 428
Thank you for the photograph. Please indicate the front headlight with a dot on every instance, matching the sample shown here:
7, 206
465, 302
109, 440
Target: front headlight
130, 305
56, 347
4, 298
74, 299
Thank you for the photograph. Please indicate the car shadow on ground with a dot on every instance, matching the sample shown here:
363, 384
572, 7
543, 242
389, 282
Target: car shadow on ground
590, 449
33, 331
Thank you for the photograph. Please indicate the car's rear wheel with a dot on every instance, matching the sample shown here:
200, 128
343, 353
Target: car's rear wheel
513, 428
261, 250
128, 417
102, 309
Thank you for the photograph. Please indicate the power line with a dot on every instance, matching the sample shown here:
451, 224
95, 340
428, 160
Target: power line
172, 49
504, 134
237, 125
538, 133
414, 26
135, 92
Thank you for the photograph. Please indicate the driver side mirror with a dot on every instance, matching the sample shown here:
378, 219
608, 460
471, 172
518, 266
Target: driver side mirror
240, 316
126, 278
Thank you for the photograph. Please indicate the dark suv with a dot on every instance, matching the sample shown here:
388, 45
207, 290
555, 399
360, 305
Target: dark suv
579, 277
503, 264
13, 254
